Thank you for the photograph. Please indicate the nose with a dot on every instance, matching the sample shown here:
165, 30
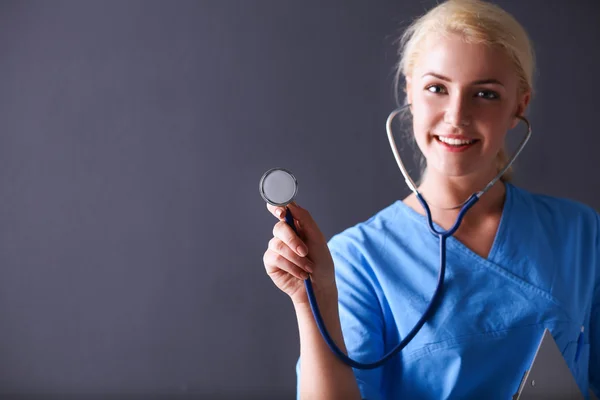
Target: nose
457, 112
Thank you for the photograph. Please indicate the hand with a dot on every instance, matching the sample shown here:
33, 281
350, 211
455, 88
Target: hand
290, 258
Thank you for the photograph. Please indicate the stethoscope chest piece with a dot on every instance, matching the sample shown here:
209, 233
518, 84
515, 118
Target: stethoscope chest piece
278, 187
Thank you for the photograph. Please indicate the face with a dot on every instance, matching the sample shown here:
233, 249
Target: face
464, 99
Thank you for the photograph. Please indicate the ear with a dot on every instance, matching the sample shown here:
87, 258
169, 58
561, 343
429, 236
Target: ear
522, 103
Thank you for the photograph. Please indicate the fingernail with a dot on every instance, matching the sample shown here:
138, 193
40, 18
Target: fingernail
308, 268
278, 212
302, 251
305, 276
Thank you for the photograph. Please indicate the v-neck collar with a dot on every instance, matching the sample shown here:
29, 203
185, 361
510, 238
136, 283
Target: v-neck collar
453, 242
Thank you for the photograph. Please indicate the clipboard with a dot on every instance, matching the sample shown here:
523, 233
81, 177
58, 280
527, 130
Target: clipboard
549, 376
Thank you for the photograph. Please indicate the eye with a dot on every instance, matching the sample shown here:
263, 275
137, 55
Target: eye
488, 95
436, 89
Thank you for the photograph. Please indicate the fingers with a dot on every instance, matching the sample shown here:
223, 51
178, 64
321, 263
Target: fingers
286, 234
277, 211
306, 222
279, 247
274, 261
302, 216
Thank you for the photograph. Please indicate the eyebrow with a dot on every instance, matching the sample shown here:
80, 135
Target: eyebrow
479, 82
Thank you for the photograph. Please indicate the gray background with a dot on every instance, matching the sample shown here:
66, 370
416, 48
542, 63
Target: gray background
132, 139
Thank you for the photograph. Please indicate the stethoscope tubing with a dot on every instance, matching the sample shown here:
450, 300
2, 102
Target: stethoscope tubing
443, 235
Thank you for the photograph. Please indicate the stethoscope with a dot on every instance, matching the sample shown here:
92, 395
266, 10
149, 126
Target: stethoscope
279, 187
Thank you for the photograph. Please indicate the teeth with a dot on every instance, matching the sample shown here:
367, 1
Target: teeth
454, 142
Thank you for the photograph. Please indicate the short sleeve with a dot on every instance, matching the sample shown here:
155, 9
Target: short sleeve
595, 322
361, 321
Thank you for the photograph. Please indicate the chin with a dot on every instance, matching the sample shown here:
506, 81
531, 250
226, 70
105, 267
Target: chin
458, 170
457, 173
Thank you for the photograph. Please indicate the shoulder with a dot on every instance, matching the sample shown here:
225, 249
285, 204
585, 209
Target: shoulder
558, 212
366, 235
366, 248
356, 253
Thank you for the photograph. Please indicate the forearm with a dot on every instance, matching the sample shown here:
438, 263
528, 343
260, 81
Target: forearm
322, 374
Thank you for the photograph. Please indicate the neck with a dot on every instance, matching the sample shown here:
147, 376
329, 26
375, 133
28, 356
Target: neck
442, 192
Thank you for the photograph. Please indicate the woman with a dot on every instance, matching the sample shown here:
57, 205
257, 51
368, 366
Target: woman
519, 263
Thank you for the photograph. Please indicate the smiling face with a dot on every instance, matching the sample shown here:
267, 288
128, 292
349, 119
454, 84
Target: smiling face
464, 99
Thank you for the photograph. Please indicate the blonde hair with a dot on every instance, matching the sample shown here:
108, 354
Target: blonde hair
477, 22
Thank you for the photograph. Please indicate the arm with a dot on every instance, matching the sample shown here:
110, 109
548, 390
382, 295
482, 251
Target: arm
322, 374
299, 247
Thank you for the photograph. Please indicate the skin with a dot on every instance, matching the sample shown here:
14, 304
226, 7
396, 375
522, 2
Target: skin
452, 105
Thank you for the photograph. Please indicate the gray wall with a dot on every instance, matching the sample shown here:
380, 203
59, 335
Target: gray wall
133, 135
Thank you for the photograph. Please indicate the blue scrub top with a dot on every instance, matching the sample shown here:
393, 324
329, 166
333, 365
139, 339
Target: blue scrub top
543, 271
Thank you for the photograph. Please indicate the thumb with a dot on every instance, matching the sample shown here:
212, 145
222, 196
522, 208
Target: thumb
305, 221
